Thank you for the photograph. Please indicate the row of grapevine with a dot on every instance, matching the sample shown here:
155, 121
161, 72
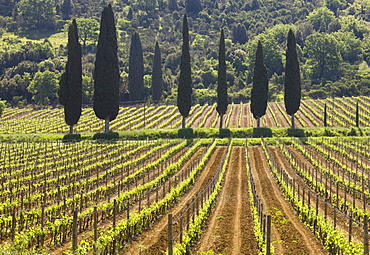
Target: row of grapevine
341, 112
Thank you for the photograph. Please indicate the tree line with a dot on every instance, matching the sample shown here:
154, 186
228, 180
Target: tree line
333, 30
106, 76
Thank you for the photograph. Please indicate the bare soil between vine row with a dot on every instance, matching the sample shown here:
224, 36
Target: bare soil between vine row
289, 235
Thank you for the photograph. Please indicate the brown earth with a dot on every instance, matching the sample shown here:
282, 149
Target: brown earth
154, 241
288, 234
230, 229
107, 224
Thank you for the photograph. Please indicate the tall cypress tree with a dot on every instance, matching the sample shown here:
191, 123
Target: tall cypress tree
184, 89
157, 80
136, 69
260, 86
292, 86
70, 89
221, 80
106, 73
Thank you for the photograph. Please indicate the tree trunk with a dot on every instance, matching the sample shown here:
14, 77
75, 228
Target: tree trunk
106, 128
293, 121
71, 129
258, 122
183, 122
221, 121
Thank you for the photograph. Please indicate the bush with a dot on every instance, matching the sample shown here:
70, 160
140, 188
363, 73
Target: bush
71, 137
106, 136
224, 132
296, 132
262, 132
186, 133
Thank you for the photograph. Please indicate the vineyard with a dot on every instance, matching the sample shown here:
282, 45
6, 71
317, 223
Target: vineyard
277, 195
341, 113
227, 196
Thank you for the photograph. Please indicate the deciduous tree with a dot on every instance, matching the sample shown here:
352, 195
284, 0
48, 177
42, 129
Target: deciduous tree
44, 87
37, 13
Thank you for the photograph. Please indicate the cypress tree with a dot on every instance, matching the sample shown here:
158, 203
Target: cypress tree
106, 73
184, 89
70, 89
136, 69
157, 80
221, 81
292, 86
357, 116
260, 86
325, 116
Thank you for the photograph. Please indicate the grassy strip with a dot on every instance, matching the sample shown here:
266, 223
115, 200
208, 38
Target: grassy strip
201, 133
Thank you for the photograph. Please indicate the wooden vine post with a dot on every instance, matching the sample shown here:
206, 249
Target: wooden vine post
74, 232
268, 235
366, 235
170, 238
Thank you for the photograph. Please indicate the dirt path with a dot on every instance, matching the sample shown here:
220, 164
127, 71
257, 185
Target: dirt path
234, 118
281, 120
342, 220
154, 241
210, 119
289, 235
230, 229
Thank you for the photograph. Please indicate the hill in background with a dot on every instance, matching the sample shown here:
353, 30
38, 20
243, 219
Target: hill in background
333, 38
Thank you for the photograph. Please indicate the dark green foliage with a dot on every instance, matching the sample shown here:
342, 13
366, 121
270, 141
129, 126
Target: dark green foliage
224, 132
325, 116
184, 88
172, 5
136, 69
292, 85
186, 133
66, 9
106, 74
221, 80
296, 132
70, 91
193, 6
63, 88
2, 107
157, 80
130, 14
240, 34
106, 136
37, 13
7, 7
262, 132
260, 85
71, 138
357, 116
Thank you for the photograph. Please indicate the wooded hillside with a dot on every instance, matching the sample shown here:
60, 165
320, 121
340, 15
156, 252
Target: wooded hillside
333, 39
